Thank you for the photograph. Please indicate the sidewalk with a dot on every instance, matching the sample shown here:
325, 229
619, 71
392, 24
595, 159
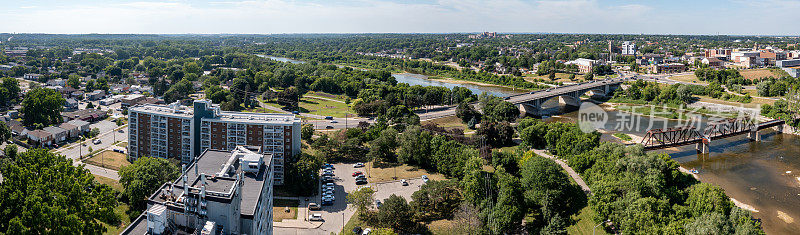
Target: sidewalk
569, 170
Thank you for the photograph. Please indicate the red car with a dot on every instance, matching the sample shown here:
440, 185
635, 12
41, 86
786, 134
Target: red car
357, 173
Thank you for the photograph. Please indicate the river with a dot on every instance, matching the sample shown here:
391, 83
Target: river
422, 80
764, 175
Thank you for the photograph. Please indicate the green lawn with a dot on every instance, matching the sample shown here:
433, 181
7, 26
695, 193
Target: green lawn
622, 136
584, 223
352, 223
325, 107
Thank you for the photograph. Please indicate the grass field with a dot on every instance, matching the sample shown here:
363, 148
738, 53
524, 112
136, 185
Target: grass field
448, 122
123, 144
122, 212
757, 74
108, 159
325, 107
688, 79
382, 174
108, 181
622, 136
584, 223
755, 103
279, 209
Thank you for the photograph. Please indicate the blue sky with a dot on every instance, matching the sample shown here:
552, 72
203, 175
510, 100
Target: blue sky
739, 17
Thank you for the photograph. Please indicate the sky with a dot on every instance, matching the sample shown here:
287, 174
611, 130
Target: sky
708, 17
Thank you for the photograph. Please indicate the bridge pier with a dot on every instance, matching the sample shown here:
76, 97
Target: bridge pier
754, 135
532, 109
779, 128
702, 147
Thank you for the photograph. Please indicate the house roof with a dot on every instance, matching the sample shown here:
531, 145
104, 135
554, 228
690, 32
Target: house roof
78, 123
54, 130
67, 126
40, 134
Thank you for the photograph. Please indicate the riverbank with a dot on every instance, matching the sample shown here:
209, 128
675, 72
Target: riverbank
458, 81
667, 112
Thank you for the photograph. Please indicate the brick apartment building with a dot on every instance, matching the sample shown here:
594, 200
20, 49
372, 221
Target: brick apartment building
182, 132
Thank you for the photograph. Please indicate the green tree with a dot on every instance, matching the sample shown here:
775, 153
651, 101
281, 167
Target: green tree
395, 213
43, 193
383, 148
436, 199
302, 174
5, 132
42, 106
144, 177
362, 199
74, 81
306, 132
415, 147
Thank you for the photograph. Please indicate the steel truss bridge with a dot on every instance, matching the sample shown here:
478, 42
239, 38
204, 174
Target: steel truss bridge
686, 135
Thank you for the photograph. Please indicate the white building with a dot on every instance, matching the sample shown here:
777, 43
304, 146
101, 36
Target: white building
628, 48
584, 65
222, 192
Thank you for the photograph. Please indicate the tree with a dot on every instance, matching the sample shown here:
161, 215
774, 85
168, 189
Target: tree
5, 132
74, 81
362, 199
415, 147
496, 134
43, 193
588, 76
382, 148
302, 174
42, 106
89, 105
306, 132
436, 199
145, 176
466, 112
395, 213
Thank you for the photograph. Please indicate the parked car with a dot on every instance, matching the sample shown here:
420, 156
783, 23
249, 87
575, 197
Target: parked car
378, 203
315, 217
329, 197
425, 178
404, 182
361, 181
357, 173
329, 185
327, 202
327, 194
357, 230
366, 231
313, 206
295, 112
358, 165
96, 141
327, 173
327, 179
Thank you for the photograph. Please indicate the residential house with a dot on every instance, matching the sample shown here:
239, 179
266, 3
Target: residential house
41, 137
59, 135
83, 126
72, 130
57, 82
77, 94
89, 115
32, 76
70, 104
67, 91
17, 128
95, 95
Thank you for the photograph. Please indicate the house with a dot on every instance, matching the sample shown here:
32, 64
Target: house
17, 128
41, 137
131, 100
89, 115
83, 126
70, 104
72, 130
57, 82
31, 76
77, 94
95, 95
67, 91
712, 62
59, 135
584, 65
668, 68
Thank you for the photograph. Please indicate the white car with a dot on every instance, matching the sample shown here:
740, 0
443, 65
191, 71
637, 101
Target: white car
366, 231
315, 217
425, 178
404, 182
97, 141
358, 165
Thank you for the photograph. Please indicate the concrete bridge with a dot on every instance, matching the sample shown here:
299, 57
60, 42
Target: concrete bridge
674, 137
531, 102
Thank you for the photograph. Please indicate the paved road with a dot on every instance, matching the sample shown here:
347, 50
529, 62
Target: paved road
569, 170
107, 139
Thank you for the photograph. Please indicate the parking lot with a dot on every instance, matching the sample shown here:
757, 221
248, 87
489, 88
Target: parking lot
336, 216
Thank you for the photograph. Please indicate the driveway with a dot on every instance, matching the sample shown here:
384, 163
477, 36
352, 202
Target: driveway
106, 140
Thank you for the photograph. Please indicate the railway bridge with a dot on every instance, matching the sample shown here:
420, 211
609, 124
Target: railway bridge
686, 135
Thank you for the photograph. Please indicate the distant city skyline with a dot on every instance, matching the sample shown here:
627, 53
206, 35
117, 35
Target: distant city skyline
725, 17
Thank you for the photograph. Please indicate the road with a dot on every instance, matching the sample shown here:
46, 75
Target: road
107, 138
574, 175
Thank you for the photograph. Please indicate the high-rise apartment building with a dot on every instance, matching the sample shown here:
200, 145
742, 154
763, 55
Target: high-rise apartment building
181, 132
221, 192
628, 48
